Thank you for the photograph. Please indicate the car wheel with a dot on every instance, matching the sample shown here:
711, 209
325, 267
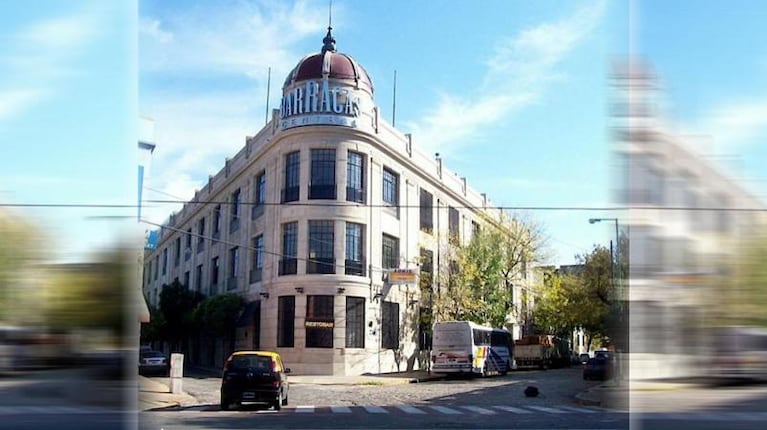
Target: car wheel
285, 400
278, 403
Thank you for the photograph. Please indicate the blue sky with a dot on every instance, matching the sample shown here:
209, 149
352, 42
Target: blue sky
513, 94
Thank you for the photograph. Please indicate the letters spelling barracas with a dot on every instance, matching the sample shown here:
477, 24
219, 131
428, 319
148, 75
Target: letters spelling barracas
309, 99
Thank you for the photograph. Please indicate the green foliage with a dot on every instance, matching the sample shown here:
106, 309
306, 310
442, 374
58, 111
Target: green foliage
479, 282
582, 301
218, 315
177, 304
154, 330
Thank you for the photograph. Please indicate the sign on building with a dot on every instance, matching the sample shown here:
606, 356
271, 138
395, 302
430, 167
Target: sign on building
402, 276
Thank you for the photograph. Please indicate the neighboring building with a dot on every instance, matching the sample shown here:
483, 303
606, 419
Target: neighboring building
685, 220
308, 220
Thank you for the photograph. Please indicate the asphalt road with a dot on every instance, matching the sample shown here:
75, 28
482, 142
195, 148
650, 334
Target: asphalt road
496, 402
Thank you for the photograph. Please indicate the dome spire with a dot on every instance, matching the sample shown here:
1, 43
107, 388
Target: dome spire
329, 43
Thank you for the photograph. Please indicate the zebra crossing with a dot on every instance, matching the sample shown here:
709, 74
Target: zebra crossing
58, 410
421, 409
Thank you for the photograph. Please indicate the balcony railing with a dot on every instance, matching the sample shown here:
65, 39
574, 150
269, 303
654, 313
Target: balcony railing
356, 195
323, 192
321, 265
256, 211
234, 224
354, 267
255, 275
200, 246
288, 266
290, 194
231, 283
187, 253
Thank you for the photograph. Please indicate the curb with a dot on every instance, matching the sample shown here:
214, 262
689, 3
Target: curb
172, 407
582, 399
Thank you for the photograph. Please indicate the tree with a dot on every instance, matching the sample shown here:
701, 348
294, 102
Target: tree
177, 304
217, 316
479, 277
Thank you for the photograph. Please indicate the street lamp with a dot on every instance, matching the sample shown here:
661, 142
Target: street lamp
616, 282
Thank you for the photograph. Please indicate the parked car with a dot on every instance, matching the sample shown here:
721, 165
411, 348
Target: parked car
584, 358
254, 377
153, 363
596, 368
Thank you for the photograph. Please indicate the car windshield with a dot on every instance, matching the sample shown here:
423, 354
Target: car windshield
259, 362
152, 354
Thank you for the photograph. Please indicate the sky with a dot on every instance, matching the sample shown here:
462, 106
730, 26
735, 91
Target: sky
514, 95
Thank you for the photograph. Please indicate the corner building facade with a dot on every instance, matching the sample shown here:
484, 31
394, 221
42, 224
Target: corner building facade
307, 222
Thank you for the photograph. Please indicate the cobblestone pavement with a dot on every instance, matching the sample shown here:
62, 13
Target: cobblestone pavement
557, 387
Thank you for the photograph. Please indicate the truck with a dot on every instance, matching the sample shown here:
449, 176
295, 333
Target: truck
541, 351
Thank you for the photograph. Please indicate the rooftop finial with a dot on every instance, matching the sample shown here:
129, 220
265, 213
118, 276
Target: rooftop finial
329, 43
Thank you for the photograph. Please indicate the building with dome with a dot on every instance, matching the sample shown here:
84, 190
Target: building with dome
329, 222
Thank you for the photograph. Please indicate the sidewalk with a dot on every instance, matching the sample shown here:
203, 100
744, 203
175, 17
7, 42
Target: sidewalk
154, 395
610, 395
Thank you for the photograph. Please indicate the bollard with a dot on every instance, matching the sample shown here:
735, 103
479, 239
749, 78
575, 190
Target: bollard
176, 373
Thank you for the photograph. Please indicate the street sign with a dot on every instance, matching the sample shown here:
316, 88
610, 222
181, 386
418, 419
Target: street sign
402, 276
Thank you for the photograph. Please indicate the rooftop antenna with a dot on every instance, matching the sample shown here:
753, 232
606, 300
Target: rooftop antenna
394, 101
268, 87
329, 43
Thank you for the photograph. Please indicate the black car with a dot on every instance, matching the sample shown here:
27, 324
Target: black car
596, 368
254, 377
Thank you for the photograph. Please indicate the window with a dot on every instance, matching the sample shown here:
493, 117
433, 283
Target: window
321, 243
426, 261
177, 256
286, 319
234, 220
390, 187
355, 249
258, 259
319, 321
213, 274
453, 229
234, 261
390, 252
260, 196
217, 222
475, 228
427, 211
165, 261
322, 184
355, 322
355, 177
198, 278
188, 249
201, 237
292, 176
425, 322
390, 325
288, 263
186, 280
156, 267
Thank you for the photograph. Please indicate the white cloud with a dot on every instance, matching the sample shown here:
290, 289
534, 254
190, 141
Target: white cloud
734, 125
16, 102
39, 55
245, 39
521, 64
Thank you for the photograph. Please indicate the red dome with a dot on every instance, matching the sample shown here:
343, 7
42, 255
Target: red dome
329, 63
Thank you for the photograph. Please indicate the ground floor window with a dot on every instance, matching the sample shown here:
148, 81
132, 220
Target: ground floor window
390, 325
355, 322
286, 315
319, 321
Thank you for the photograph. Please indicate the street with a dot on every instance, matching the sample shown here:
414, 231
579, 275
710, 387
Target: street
496, 402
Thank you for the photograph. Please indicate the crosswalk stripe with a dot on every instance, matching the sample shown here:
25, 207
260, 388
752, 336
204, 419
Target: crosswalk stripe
446, 410
545, 409
304, 409
410, 409
513, 409
376, 410
577, 409
479, 410
340, 409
